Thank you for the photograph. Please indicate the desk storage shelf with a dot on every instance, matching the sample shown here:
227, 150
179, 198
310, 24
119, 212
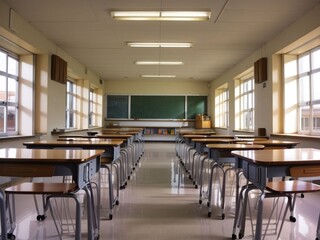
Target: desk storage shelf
159, 133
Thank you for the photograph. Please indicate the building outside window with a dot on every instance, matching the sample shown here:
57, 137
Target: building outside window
309, 92
71, 105
222, 106
9, 76
244, 103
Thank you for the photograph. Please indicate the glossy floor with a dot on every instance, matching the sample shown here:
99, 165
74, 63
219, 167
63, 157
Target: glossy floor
160, 202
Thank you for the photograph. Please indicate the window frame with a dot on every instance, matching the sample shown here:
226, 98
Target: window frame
244, 103
92, 107
71, 101
306, 100
222, 106
6, 102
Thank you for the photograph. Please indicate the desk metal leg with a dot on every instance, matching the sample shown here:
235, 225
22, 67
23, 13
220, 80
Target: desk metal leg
318, 229
93, 229
3, 215
259, 217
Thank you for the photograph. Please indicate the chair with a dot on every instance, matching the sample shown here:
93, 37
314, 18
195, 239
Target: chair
48, 190
108, 164
288, 189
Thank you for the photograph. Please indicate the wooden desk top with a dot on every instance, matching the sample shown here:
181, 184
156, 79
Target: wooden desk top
45, 143
208, 136
232, 146
293, 156
197, 133
212, 140
79, 139
24, 155
277, 143
195, 136
113, 135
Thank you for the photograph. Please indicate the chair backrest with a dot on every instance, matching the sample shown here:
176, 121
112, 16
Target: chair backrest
305, 171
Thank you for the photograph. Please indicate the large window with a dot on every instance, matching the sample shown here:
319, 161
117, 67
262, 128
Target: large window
9, 74
309, 92
222, 106
92, 107
245, 103
71, 105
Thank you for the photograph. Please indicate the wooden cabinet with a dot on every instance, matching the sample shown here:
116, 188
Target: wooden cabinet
202, 122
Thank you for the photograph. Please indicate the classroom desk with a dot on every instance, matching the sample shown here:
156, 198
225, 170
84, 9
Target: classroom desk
82, 165
193, 132
111, 147
221, 154
272, 143
125, 147
111, 153
260, 165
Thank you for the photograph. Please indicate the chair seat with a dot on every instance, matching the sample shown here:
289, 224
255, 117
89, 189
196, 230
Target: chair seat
294, 186
42, 188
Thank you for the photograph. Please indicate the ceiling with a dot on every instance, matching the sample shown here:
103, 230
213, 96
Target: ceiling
85, 30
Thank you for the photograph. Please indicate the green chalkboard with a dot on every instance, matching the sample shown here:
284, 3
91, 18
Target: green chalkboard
196, 105
117, 106
158, 107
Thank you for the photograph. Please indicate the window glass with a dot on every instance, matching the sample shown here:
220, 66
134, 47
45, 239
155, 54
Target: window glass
3, 88
304, 64
315, 58
2, 119
316, 85
12, 66
3, 61
12, 90
304, 89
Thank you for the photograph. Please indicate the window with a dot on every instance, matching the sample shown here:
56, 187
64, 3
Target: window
92, 107
309, 92
222, 106
9, 75
71, 105
244, 104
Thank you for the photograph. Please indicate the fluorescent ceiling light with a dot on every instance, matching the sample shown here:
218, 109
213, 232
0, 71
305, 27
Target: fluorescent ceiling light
161, 15
158, 76
160, 45
158, 63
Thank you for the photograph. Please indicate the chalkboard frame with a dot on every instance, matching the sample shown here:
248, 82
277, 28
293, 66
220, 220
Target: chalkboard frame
128, 109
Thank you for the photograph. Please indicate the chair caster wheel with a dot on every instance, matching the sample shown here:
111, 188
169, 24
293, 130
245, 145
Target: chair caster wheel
208, 204
110, 216
234, 236
209, 214
222, 216
40, 218
117, 202
200, 201
240, 235
196, 186
11, 236
292, 219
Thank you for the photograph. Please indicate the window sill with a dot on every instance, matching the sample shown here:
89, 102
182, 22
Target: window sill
16, 137
243, 131
297, 136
